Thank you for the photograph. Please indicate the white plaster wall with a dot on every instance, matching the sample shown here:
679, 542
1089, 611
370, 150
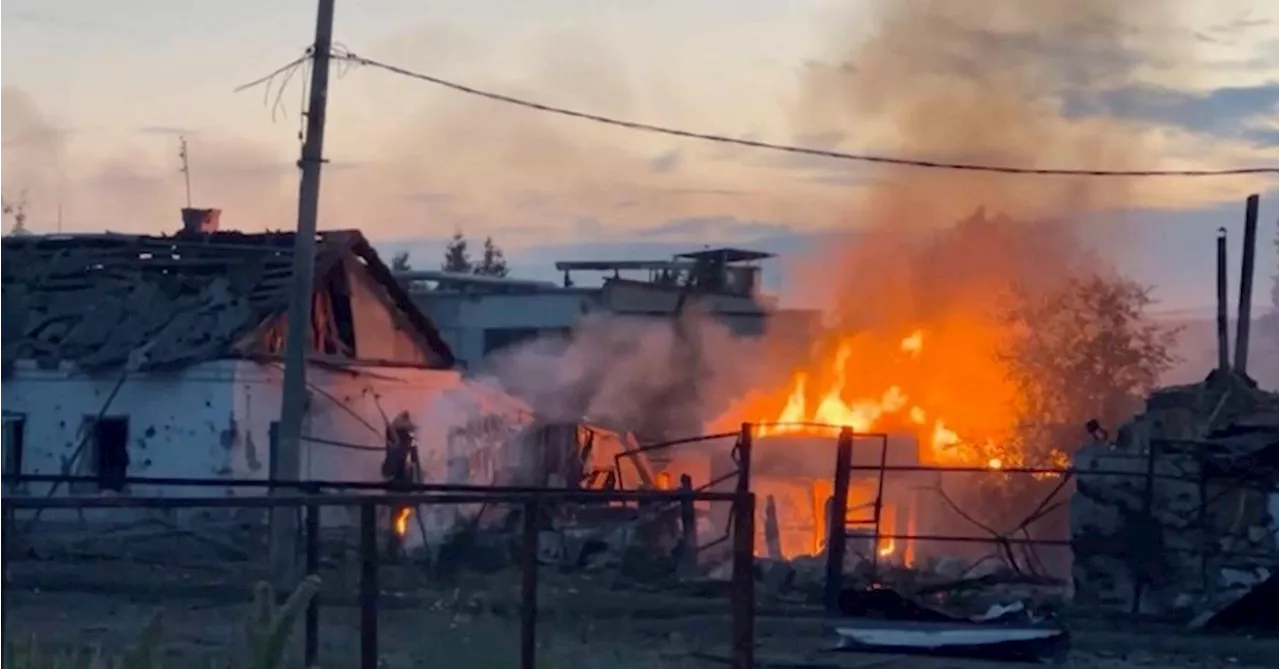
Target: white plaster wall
350, 410
213, 420
181, 424
347, 407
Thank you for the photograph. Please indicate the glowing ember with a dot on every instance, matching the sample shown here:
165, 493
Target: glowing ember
402, 521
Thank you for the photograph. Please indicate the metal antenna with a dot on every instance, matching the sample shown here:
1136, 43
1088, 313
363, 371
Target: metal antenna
186, 166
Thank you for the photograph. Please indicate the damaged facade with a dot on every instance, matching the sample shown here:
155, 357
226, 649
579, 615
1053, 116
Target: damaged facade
160, 356
1195, 528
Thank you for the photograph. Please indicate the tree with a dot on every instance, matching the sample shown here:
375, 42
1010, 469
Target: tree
400, 262
18, 210
492, 261
456, 257
1083, 350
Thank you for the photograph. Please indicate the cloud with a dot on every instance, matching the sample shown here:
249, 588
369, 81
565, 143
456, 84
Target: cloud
712, 230
947, 81
1224, 112
166, 130
664, 163
456, 162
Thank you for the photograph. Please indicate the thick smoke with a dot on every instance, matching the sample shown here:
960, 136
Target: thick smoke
983, 82
977, 82
658, 378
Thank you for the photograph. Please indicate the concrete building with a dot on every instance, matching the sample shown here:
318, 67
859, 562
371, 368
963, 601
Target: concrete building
140, 356
480, 315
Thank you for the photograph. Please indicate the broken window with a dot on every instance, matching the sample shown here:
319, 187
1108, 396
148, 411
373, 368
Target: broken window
15, 428
106, 453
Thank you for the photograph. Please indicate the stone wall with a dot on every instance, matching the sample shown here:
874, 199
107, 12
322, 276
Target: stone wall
1181, 519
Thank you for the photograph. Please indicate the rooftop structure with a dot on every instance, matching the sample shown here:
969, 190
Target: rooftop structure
101, 300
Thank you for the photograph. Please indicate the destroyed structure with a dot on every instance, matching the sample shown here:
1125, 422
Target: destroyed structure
160, 356
1193, 526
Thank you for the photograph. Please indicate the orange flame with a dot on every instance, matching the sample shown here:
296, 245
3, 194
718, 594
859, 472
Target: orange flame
402, 521
890, 408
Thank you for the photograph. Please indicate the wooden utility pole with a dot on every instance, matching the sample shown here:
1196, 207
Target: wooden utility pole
288, 447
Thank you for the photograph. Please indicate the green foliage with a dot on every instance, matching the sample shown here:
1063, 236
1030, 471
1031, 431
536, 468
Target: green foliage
32, 654
1084, 350
268, 629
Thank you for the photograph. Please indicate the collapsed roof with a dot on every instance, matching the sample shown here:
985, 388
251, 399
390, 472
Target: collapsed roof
110, 300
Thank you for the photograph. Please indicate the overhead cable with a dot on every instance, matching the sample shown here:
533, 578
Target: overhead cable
824, 153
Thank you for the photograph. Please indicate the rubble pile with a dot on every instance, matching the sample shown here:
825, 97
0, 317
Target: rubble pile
1186, 523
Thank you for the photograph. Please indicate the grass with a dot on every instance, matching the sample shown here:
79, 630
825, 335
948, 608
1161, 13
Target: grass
268, 629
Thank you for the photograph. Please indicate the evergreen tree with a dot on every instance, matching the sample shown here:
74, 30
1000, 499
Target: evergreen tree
492, 261
456, 257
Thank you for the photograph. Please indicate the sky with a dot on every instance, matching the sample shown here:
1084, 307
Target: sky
96, 96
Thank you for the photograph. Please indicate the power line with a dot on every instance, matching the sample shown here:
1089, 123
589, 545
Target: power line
837, 155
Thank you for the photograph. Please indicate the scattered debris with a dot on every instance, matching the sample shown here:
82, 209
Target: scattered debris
956, 639
1256, 611
1189, 526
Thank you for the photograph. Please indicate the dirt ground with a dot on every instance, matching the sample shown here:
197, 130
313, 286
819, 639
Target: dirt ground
584, 622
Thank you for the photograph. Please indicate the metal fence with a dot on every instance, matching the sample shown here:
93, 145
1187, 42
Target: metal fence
529, 500
1015, 546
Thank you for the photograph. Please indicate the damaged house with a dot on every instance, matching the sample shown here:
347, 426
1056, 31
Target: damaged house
1178, 516
161, 356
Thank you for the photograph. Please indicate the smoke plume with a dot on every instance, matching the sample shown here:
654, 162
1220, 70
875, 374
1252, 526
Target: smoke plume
658, 378
976, 82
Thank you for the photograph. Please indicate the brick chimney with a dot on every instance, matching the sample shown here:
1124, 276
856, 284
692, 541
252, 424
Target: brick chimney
200, 221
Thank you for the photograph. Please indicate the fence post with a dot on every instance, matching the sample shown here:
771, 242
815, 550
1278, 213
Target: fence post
1139, 553
368, 585
744, 458
688, 526
744, 580
836, 530
311, 638
5, 517
529, 586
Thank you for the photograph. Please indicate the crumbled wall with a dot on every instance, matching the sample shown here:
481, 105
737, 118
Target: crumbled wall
1193, 534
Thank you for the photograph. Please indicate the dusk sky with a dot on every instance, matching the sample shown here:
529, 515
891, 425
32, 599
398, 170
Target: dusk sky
95, 95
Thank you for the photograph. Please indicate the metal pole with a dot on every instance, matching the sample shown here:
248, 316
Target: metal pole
839, 510
311, 640
743, 581
688, 527
529, 587
744, 459
298, 330
1224, 345
1243, 317
4, 582
368, 585
744, 564
879, 508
